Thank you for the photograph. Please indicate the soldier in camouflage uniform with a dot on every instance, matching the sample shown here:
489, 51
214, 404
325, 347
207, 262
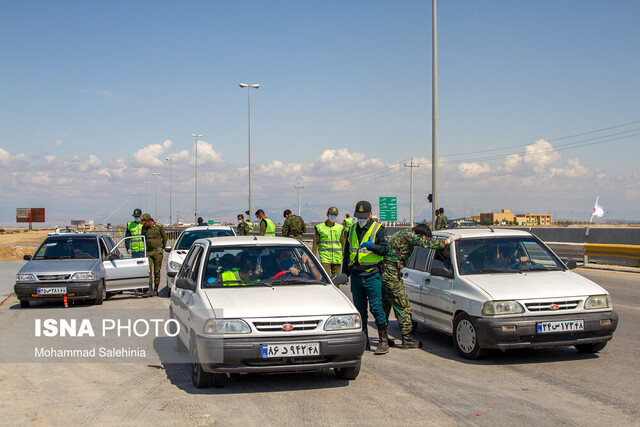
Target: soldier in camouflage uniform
394, 293
244, 227
156, 239
293, 225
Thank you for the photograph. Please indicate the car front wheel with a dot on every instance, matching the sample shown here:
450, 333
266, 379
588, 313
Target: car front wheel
591, 348
465, 338
199, 377
350, 373
101, 293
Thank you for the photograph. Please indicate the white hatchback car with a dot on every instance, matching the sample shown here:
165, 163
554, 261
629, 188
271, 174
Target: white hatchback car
183, 243
262, 304
502, 289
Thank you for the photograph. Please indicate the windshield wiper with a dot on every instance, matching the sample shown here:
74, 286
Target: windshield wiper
297, 281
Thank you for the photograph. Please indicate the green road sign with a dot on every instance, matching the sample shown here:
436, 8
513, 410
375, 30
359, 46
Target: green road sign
388, 208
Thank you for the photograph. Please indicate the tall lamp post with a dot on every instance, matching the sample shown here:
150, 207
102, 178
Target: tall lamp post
139, 191
196, 136
155, 215
146, 196
170, 160
255, 86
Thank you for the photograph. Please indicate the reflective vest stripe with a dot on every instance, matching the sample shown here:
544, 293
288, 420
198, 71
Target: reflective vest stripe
271, 228
362, 256
329, 246
135, 229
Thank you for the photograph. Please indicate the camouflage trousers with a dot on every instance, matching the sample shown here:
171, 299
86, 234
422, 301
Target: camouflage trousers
394, 294
155, 265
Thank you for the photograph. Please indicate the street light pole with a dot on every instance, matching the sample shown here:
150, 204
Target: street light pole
411, 165
155, 215
170, 160
255, 86
139, 191
434, 112
299, 187
196, 136
146, 196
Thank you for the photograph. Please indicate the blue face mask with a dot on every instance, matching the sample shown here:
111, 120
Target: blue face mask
287, 263
333, 218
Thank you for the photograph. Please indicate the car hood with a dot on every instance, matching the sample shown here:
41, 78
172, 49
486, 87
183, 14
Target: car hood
279, 301
58, 266
178, 255
535, 285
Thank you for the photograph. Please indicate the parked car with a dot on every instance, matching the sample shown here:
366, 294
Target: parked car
262, 304
503, 289
184, 242
80, 266
66, 230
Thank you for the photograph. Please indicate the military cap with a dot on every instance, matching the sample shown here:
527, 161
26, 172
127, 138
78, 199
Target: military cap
332, 211
146, 217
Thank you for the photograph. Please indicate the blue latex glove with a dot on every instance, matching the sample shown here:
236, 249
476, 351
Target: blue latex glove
366, 244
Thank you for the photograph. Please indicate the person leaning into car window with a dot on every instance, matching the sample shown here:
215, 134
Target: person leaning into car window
247, 271
286, 266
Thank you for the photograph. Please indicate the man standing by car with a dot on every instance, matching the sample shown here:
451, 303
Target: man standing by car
267, 227
394, 294
293, 226
441, 220
156, 239
328, 242
365, 249
135, 246
244, 227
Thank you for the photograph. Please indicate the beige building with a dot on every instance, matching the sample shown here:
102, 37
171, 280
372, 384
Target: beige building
506, 217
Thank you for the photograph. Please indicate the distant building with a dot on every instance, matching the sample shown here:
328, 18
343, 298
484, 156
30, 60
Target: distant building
507, 217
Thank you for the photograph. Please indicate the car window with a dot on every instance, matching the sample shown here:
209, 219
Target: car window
412, 260
109, 242
421, 258
262, 265
195, 268
504, 255
190, 260
103, 249
186, 239
68, 248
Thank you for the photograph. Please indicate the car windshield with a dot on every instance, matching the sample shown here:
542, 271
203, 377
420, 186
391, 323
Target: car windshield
262, 266
187, 238
68, 248
504, 255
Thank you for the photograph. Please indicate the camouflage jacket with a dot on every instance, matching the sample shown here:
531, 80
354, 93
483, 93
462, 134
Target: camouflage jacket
244, 228
155, 236
402, 243
441, 222
293, 226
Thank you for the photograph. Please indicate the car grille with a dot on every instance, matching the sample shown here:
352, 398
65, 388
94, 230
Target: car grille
54, 277
286, 361
297, 325
547, 306
563, 336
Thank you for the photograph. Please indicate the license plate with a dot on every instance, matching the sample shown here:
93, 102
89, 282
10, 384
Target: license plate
565, 326
52, 291
291, 349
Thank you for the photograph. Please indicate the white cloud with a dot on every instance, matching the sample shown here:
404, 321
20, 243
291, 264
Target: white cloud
573, 170
472, 170
58, 143
540, 155
152, 155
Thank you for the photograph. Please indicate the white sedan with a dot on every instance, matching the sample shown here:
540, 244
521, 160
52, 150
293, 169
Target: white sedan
503, 289
262, 304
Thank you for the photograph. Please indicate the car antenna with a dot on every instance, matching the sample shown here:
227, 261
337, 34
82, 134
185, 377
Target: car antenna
492, 230
255, 238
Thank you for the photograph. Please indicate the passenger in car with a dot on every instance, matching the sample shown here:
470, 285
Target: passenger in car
246, 272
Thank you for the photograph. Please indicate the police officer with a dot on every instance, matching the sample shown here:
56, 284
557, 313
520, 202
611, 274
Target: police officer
441, 219
267, 227
365, 249
135, 246
394, 293
293, 226
156, 239
244, 227
328, 242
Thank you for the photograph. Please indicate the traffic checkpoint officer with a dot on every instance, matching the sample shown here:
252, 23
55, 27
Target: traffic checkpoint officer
394, 293
135, 246
156, 239
293, 226
365, 249
244, 227
328, 242
267, 227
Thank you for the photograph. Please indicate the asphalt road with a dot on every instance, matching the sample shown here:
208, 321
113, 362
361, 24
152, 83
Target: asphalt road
428, 386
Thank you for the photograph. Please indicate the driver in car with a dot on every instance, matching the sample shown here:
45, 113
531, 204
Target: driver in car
286, 266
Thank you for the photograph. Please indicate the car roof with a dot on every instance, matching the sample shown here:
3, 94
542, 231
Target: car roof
482, 232
208, 227
252, 240
75, 236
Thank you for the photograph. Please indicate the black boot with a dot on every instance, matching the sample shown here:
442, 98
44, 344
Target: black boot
149, 292
365, 329
383, 340
408, 341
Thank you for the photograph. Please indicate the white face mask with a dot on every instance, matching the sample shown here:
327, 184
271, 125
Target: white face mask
333, 218
136, 219
363, 222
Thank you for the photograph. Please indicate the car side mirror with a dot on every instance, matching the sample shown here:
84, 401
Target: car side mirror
571, 264
339, 279
27, 257
186, 283
167, 249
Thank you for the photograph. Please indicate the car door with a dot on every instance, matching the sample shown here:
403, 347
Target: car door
183, 299
124, 272
436, 293
414, 276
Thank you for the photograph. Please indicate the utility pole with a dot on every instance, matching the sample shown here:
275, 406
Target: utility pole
146, 197
411, 165
434, 127
299, 187
220, 212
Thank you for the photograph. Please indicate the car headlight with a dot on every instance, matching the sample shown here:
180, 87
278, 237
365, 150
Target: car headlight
25, 278
226, 326
597, 301
85, 275
174, 265
493, 308
345, 321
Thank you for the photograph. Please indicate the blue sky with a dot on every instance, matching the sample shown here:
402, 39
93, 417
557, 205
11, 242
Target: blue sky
95, 95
